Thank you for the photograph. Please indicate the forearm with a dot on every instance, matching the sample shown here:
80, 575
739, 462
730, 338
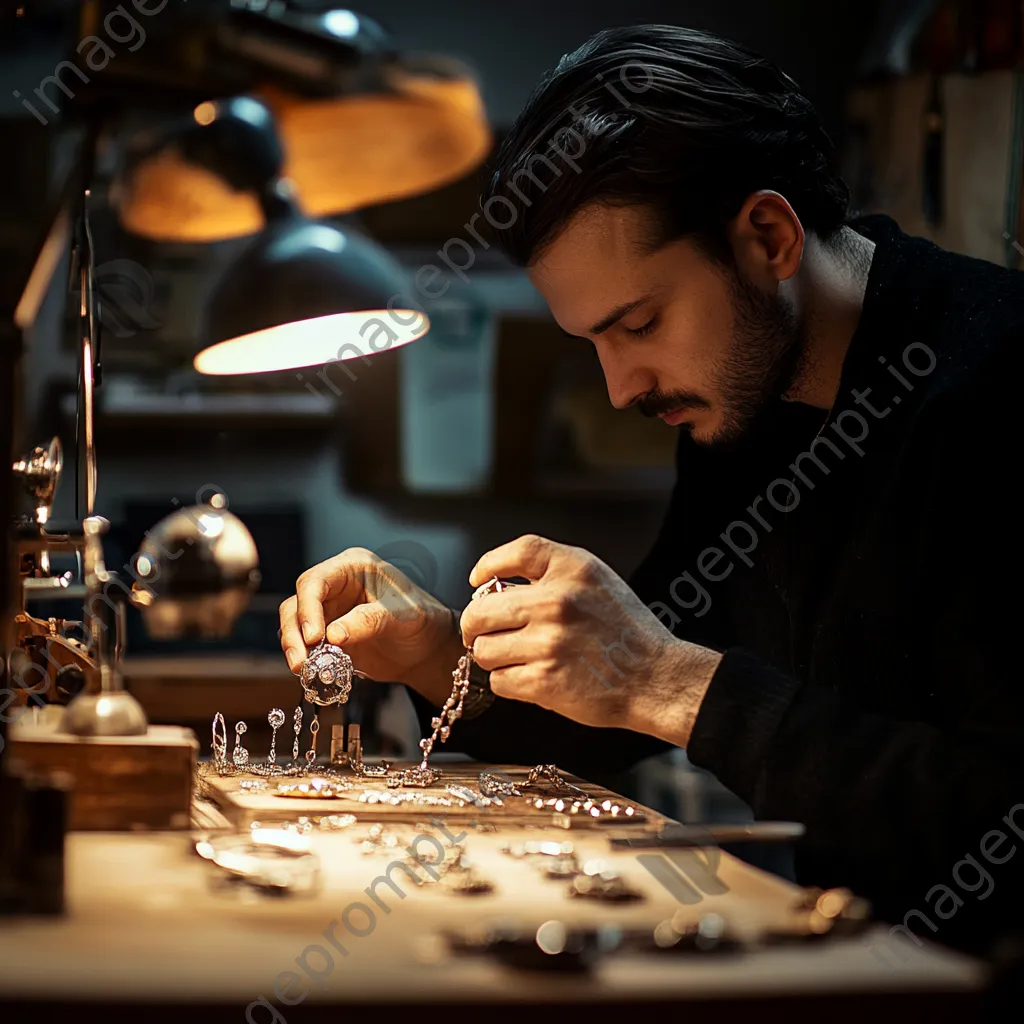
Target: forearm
432, 677
666, 705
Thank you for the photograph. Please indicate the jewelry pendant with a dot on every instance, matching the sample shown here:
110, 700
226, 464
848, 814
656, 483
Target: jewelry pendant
275, 719
220, 740
314, 728
326, 675
240, 756
297, 725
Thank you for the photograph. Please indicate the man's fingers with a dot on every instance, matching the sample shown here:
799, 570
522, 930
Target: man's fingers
364, 622
493, 613
310, 590
340, 578
514, 682
500, 650
527, 556
291, 636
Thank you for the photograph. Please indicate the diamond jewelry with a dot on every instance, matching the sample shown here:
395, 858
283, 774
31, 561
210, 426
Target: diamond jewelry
314, 728
472, 797
452, 710
275, 719
220, 739
326, 675
371, 771
417, 776
495, 785
240, 756
297, 725
314, 789
599, 881
305, 824
550, 774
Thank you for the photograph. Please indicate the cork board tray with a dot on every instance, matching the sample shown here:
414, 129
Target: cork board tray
242, 808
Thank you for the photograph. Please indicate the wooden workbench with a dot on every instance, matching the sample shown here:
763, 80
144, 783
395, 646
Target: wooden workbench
146, 937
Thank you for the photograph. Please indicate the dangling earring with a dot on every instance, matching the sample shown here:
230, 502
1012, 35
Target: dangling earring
240, 755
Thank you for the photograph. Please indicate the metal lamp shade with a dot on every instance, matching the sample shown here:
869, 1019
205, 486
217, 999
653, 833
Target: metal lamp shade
425, 129
306, 293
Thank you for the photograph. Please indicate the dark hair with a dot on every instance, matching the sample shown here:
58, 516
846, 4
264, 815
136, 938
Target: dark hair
668, 117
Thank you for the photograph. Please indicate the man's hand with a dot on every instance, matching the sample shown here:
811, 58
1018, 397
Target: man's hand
579, 642
393, 630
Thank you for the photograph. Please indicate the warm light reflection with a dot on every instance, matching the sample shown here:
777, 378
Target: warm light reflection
211, 525
325, 339
205, 113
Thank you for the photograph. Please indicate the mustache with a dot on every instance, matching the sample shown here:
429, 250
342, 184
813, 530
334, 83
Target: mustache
657, 403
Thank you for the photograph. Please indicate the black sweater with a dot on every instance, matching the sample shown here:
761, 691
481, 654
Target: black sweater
869, 686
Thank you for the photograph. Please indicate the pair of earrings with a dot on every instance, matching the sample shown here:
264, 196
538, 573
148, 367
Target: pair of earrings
240, 755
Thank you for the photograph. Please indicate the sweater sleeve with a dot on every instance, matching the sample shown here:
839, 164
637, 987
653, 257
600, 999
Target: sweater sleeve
902, 807
892, 807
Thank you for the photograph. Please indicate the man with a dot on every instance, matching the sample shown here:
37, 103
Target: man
826, 620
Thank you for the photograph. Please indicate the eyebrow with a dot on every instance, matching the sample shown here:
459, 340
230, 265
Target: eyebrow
617, 314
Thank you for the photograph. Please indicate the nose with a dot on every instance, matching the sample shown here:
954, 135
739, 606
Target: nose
625, 383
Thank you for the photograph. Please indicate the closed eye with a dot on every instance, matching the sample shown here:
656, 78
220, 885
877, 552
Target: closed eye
639, 332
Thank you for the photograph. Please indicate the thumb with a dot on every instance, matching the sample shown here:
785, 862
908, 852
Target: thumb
364, 622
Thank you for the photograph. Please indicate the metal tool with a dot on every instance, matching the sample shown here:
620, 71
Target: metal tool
677, 836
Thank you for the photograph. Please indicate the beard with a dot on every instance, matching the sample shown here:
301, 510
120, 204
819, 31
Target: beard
766, 356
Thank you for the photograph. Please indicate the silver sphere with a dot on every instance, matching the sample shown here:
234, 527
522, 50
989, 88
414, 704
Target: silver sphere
194, 573
116, 713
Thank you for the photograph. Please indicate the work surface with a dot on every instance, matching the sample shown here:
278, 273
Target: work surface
146, 929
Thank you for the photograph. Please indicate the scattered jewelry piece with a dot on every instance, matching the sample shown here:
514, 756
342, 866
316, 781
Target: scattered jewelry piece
297, 725
314, 728
559, 860
275, 719
494, 785
472, 797
416, 776
240, 756
465, 881
315, 823
326, 675
314, 789
381, 796
533, 848
253, 785
370, 771
550, 774
599, 881
379, 841
604, 811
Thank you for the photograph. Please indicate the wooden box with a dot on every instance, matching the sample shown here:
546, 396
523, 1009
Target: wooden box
120, 782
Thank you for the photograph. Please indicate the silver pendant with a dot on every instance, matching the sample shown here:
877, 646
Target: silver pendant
326, 675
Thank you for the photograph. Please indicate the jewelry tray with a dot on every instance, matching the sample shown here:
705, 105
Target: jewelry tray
241, 808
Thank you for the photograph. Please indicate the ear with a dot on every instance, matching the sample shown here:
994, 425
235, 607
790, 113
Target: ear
767, 239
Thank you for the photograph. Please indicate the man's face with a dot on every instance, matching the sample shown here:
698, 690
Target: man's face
678, 335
